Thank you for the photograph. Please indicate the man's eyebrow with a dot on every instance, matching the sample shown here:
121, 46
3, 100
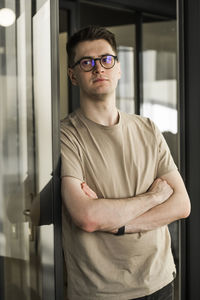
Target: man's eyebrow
92, 57
84, 57
106, 54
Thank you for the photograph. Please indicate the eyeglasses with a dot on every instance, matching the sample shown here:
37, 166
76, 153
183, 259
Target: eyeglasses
88, 63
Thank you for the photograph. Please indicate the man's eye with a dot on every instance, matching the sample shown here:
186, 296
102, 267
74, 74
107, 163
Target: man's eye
107, 59
86, 62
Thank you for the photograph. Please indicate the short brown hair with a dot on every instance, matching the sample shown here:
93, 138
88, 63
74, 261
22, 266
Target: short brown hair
89, 33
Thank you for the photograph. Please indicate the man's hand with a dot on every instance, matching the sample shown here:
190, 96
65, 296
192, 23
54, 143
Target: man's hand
161, 189
88, 191
176, 207
164, 202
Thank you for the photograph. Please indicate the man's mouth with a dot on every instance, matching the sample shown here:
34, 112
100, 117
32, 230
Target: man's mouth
99, 79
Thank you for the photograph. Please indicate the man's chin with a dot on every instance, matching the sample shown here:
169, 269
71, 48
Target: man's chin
101, 96
102, 91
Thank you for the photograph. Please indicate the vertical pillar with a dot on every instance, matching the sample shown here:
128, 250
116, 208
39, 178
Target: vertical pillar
191, 87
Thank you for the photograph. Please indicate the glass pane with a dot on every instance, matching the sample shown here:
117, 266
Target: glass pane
15, 97
42, 94
159, 91
43, 140
26, 252
159, 79
125, 94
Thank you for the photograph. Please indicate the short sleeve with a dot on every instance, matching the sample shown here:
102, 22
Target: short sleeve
165, 162
71, 164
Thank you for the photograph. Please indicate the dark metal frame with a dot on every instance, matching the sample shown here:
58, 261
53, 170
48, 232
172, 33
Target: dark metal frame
190, 91
156, 7
57, 204
2, 277
182, 141
73, 8
138, 64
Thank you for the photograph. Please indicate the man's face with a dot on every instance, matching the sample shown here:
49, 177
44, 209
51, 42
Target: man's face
99, 81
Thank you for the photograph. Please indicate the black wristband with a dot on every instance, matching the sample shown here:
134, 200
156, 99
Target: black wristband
120, 231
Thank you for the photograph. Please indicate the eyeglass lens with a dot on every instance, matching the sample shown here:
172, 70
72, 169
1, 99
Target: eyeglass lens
106, 61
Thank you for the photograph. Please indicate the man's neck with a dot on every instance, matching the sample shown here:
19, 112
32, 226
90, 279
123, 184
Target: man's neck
103, 112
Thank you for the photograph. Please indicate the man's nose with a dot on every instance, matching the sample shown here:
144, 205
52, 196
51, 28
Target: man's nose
98, 67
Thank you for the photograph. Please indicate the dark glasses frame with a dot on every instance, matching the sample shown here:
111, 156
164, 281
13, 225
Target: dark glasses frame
94, 62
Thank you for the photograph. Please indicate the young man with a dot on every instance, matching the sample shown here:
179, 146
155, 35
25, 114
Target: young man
120, 186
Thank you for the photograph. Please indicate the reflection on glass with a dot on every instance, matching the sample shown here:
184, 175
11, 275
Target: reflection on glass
22, 95
14, 230
42, 94
160, 96
7, 17
159, 89
159, 75
43, 137
19, 259
159, 80
125, 37
125, 89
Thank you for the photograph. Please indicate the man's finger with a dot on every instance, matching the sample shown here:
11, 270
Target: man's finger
88, 191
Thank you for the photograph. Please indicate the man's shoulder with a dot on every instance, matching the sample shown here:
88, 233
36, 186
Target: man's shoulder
138, 121
70, 128
67, 120
70, 122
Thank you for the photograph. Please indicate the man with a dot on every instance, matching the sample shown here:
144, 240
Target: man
120, 186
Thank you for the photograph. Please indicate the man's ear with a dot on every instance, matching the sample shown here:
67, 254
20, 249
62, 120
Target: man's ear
72, 76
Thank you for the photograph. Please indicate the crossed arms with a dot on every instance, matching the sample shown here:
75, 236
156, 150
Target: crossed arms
165, 201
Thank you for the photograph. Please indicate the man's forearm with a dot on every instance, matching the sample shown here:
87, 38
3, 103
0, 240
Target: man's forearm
175, 208
110, 214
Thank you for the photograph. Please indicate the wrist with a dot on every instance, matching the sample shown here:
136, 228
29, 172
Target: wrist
120, 231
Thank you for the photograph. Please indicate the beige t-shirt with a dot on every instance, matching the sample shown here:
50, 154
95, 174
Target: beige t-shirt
116, 162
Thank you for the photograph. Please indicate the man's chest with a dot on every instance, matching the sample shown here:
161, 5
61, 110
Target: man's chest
118, 165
